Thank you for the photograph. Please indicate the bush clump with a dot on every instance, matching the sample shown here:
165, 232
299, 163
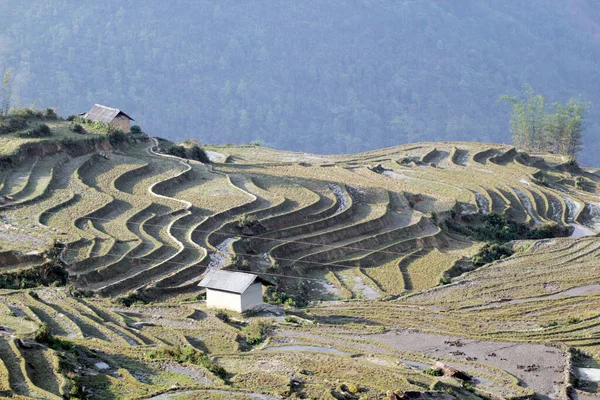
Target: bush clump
433, 372
189, 355
51, 273
78, 128
255, 332
189, 151
277, 297
26, 113
497, 228
177, 151
115, 135
198, 154
491, 252
50, 114
43, 335
223, 316
40, 131
130, 299
246, 220
12, 123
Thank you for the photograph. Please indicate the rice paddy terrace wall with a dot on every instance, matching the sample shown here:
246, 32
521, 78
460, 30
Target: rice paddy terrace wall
369, 229
141, 220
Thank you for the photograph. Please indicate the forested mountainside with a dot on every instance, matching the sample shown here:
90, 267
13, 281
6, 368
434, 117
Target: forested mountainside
327, 77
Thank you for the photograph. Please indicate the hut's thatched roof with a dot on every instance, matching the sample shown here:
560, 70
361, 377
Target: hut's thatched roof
104, 114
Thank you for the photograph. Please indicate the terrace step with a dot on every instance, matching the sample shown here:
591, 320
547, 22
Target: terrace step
432, 238
320, 207
483, 156
504, 158
135, 278
516, 209
41, 372
16, 377
343, 249
38, 185
435, 157
345, 210
59, 324
460, 157
390, 220
17, 178
499, 202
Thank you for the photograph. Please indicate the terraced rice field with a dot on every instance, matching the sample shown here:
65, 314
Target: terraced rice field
360, 238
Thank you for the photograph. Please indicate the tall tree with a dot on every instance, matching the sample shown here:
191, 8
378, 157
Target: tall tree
573, 136
528, 120
535, 127
6, 92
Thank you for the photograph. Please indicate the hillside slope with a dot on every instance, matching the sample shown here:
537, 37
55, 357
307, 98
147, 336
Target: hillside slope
145, 221
377, 230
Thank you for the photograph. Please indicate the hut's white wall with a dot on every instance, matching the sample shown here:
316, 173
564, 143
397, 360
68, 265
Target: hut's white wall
233, 301
252, 296
223, 300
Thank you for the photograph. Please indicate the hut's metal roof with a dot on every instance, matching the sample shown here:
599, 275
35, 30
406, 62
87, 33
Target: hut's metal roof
104, 114
228, 281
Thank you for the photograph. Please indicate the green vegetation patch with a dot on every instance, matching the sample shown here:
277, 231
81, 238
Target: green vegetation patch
498, 228
187, 355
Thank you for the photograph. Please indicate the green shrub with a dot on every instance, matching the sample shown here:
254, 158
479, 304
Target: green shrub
42, 334
115, 135
50, 114
352, 388
496, 228
246, 220
198, 154
572, 162
433, 372
276, 296
572, 320
223, 316
71, 117
16, 122
130, 299
51, 273
290, 302
78, 128
40, 131
27, 113
256, 331
490, 253
80, 120
189, 355
291, 320
177, 151
548, 230
136, 130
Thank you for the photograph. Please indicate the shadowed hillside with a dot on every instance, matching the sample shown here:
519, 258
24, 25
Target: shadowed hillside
363, 74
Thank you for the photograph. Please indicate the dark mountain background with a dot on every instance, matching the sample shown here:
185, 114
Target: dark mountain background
320, 76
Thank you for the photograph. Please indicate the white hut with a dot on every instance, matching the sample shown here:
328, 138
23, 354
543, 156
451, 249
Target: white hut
235, 291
